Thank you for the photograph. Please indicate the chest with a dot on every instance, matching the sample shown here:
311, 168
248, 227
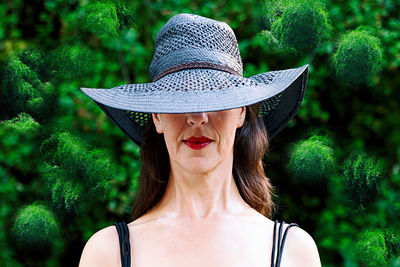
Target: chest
234, 245
201, 250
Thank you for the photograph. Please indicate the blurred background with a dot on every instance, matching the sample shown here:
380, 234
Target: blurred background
67, 171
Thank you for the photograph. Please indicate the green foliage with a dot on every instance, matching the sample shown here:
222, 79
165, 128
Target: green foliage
304, 24
76, 176
395, 262
23, 125
126, 11
359, 56
362, 178
9, 195
100, 19
35, 227
19, 139
392, 239
371, 248
22, 79
34, 59
273, 10
69, 61
23, 90
312, 160
54, 47
30, 75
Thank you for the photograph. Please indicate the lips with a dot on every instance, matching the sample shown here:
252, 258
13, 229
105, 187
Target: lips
200, 139
197, 142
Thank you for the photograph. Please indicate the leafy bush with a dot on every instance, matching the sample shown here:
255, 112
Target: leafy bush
35, 227
358, 57
352, 47
19, 139
312, 159
76, 176
303, 25
363, 176
371, 248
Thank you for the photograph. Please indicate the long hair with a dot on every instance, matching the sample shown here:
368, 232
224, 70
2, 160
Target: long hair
250, 145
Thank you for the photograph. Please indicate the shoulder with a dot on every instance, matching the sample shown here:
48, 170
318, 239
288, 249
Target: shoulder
102, 249
301, 247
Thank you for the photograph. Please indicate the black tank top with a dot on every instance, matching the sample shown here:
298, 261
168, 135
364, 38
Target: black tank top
125, 247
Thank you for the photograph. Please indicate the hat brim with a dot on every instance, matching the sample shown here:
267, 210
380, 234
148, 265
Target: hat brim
279, 93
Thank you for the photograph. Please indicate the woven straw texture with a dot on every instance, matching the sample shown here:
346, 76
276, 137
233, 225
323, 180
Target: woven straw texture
197, 67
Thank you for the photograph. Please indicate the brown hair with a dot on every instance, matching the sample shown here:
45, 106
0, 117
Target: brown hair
251, 142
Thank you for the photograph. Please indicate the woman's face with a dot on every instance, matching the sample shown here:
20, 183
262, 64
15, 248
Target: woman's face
219, 126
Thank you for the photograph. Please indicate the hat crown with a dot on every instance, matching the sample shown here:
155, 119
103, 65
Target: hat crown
189, 40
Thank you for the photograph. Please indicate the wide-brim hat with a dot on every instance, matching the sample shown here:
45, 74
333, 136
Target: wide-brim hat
197, 67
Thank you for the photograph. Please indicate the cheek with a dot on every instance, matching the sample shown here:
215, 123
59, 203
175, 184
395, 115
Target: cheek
227, 132
173, 137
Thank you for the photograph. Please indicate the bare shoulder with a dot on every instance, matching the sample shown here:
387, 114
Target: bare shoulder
102, 249
301, 247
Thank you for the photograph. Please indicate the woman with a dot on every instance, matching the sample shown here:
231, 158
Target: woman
203, 128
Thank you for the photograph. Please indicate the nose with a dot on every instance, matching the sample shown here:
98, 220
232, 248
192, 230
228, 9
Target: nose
197, 118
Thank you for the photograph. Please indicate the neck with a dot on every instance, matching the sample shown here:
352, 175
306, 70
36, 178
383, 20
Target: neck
198, 196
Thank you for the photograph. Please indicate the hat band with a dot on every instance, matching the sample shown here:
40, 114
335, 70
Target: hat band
162, 62
194, 65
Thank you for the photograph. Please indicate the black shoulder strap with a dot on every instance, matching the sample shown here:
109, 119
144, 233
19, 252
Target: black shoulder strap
124, 246
280, 243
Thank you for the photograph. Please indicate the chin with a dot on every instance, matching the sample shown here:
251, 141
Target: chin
198, 165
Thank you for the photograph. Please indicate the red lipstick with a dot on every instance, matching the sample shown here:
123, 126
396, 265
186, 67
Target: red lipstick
197, 142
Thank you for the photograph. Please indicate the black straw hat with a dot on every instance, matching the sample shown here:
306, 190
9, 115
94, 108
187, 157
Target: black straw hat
197, 67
